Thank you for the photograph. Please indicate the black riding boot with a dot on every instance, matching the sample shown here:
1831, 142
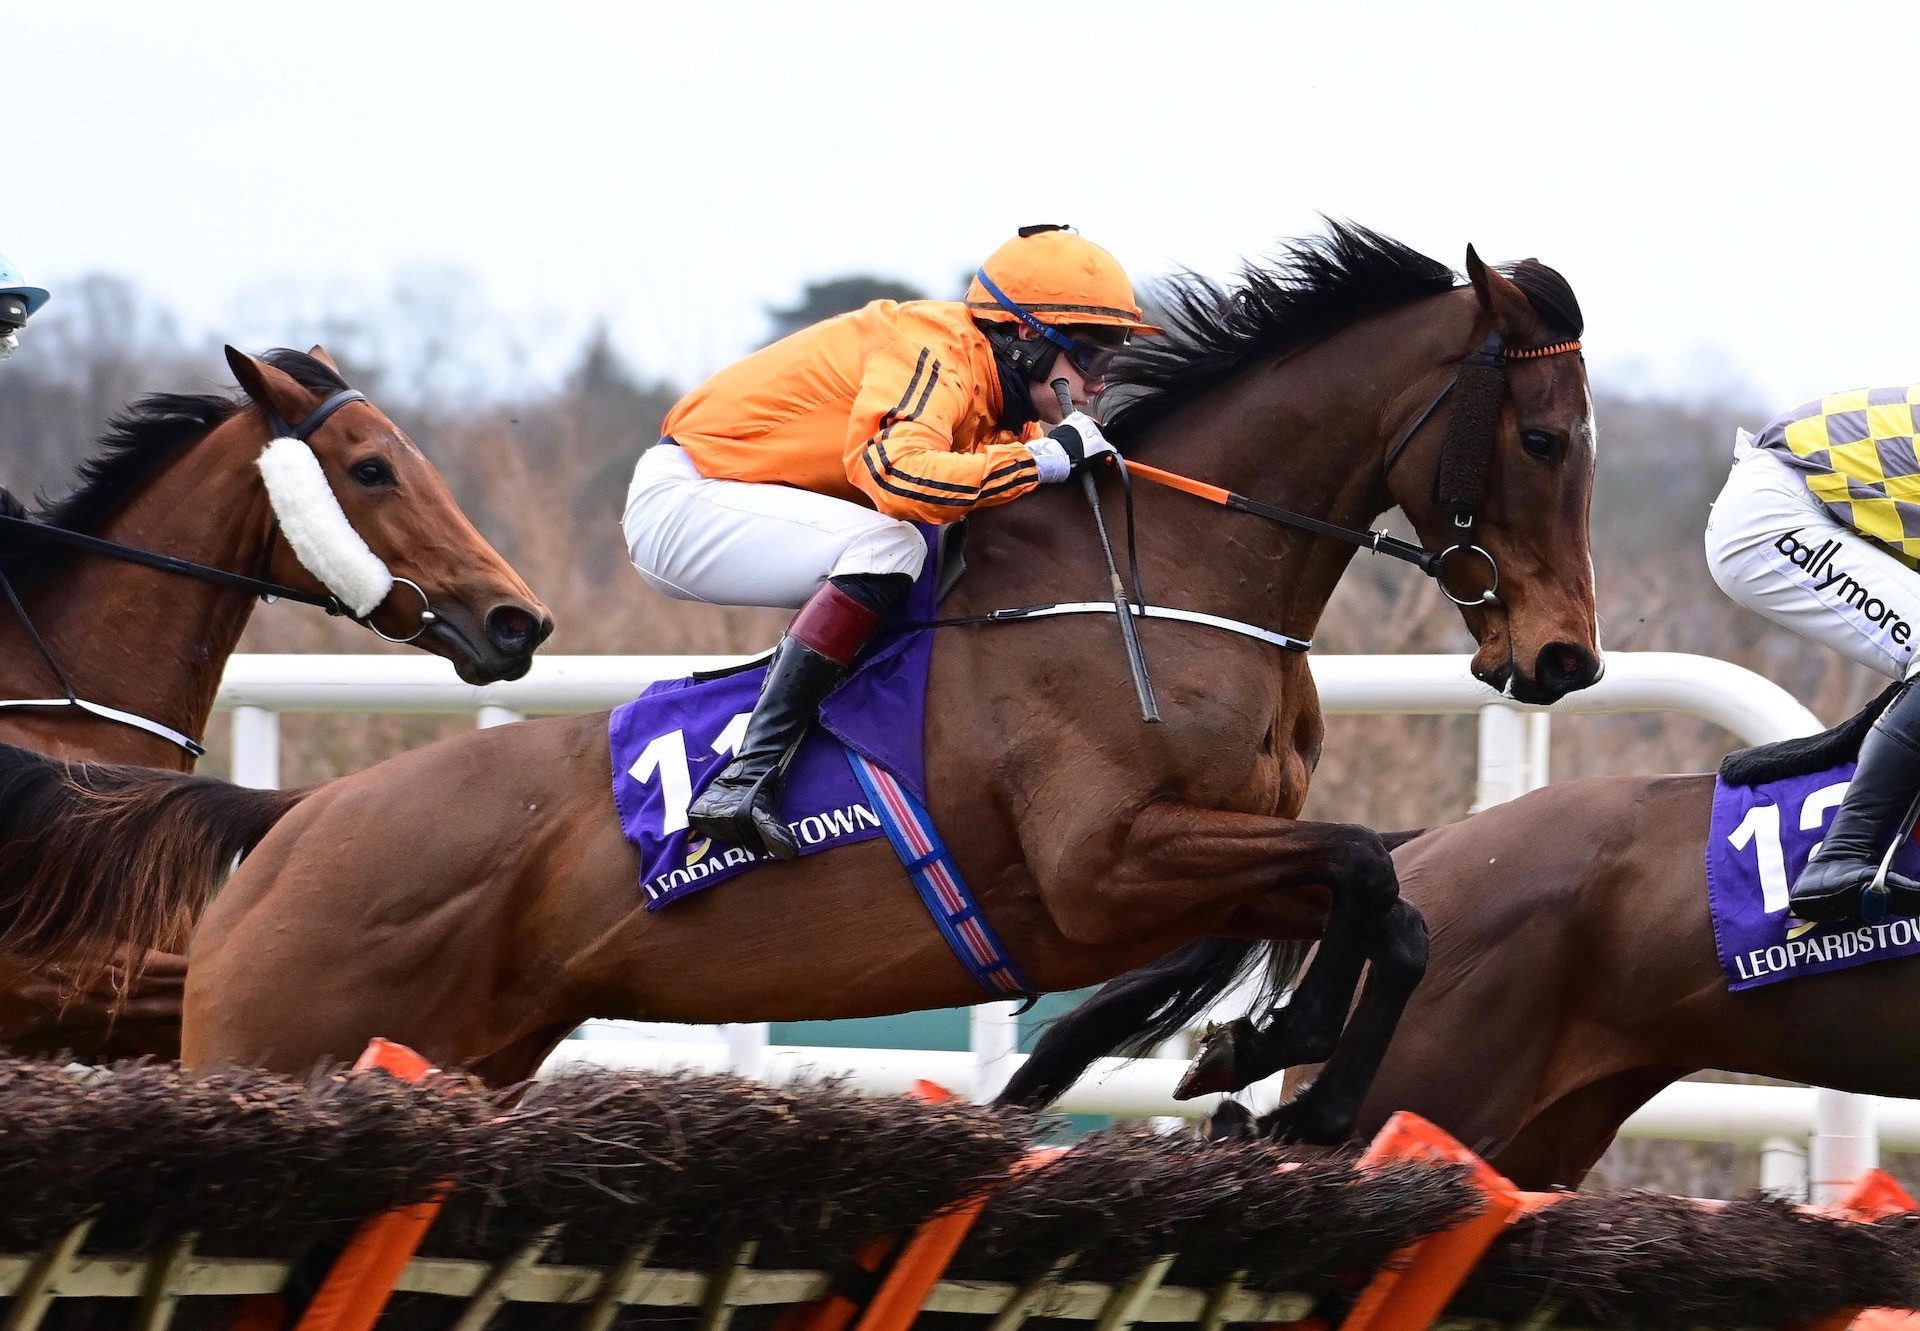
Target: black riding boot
741, 805
1884, 787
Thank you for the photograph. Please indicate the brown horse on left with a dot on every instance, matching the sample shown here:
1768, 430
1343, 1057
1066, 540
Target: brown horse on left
177, 475
476, 899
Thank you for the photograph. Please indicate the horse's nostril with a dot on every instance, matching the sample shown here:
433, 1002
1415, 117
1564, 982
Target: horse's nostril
512, 629
1566, 667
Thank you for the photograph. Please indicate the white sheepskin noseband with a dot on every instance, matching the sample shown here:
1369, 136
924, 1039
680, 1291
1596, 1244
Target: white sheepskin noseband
317, 528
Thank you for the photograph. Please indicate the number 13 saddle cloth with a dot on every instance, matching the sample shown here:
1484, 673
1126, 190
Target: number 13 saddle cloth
1761, 837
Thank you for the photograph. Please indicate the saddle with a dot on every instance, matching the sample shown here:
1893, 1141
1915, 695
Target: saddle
1806, 755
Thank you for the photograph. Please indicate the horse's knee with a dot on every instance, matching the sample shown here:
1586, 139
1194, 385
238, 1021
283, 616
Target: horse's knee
1401, 958
1369, 880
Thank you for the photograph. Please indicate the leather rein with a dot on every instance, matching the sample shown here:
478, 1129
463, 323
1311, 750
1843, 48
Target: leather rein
266, 589
1459, 486
1459, 480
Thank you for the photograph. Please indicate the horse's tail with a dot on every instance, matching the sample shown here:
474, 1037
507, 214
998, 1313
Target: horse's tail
95, 854
1131, 1015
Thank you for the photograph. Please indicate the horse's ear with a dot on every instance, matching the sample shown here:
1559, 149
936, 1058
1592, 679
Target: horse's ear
1499, 297
269, 387
319, 353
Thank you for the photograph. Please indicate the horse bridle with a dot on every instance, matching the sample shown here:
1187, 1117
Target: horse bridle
1459, 478
260, 585
1460, 474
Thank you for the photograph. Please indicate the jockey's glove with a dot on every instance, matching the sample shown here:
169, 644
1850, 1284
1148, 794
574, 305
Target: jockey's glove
1069, 448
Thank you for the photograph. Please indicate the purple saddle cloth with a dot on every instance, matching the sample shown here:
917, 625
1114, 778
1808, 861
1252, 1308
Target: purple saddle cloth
1760, 839
673, 739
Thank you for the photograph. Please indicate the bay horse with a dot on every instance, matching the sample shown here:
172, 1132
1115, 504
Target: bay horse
1573, 975
177, 475
476, 898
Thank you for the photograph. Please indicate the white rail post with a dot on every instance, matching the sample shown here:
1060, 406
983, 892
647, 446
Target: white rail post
1845, 1144
1539, 769
1513, 754
256, 748
747, 1048
994, 1037
1783, 1168
498, 716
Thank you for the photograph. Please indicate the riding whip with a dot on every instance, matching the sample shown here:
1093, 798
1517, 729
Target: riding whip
1122, 603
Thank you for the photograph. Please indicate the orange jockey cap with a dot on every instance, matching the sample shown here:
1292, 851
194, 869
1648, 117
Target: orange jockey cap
1059, 277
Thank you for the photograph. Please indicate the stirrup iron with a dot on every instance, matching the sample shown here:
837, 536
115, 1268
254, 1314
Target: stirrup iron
1876, 898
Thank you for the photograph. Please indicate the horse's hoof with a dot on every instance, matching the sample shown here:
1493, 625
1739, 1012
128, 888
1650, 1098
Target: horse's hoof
1216, 1071
1231, 1122
1305, 1119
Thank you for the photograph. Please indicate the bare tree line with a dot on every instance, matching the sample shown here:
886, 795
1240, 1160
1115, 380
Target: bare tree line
544, 472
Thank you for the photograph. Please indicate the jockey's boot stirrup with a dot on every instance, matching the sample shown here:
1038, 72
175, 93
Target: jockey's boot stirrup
1874, 812
741, 805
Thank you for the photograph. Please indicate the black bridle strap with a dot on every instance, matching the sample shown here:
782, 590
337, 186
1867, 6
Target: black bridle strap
128, 554
40, 531
314, 419
1378, 541
1491, 354
1426, 414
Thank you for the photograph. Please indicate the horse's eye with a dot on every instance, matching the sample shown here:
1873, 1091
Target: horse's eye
1543, 446
371, 472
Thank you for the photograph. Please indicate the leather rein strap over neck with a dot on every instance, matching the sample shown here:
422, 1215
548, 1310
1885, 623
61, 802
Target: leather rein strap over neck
26, 528
1459, 479
1459, 486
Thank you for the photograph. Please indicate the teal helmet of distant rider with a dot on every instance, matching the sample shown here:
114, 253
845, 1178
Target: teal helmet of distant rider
18, 302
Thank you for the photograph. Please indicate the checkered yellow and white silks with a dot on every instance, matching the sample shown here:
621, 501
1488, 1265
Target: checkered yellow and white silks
1855, 450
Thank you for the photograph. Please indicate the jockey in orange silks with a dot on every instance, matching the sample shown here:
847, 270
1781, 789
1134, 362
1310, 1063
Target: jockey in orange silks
792, 478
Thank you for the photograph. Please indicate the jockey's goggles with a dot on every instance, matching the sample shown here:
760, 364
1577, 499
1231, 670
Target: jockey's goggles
1091, 348
1088, 346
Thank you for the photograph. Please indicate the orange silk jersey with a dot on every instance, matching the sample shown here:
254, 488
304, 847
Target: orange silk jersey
895, 406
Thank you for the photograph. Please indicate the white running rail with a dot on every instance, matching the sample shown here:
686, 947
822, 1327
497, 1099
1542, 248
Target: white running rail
1845, 1131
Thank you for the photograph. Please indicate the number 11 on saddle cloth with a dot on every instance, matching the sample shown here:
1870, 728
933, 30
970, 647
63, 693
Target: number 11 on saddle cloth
859, 774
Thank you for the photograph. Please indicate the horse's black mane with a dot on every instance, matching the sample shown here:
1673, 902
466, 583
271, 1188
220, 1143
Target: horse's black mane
140, 443
1318, 286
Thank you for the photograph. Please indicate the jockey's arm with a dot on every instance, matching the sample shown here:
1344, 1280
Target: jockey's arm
900, 448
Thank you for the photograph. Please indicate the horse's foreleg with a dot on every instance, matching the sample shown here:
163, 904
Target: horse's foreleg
1324, 1113
1308, 1028
1241, 858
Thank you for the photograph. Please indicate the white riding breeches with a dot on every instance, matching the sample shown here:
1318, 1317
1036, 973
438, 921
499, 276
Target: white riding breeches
739, 543
1773, 548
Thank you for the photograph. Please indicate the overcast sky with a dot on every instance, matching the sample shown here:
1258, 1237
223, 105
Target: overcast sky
1730, 187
